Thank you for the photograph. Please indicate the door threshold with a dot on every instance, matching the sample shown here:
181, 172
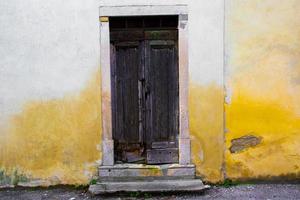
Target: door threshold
142, 171
147, 166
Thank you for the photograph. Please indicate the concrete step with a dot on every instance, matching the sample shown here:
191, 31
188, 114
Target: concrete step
141, 171
183, 185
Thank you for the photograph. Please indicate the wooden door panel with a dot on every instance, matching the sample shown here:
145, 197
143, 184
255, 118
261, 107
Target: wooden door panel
162, 104
127, 109
126, 58
145, 96
133, 35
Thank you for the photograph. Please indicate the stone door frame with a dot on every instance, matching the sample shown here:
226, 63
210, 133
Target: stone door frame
106, 111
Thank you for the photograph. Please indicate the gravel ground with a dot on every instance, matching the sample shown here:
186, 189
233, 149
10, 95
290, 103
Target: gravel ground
241, 192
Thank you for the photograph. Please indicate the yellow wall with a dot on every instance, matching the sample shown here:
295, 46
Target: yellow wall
264, 80
55, 140
58, 140
206, 129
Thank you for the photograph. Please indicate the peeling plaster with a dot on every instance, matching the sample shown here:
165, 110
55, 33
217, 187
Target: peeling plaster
244, 142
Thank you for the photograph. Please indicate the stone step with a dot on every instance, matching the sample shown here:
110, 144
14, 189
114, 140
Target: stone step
138, 171
142, 178
180, 185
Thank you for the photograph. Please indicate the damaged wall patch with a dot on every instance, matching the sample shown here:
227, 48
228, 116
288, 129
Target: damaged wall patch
247, 141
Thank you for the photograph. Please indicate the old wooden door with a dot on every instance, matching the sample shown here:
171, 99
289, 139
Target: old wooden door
145, 95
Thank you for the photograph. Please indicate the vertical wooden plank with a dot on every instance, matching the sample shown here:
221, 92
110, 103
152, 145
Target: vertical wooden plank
113, 89
148, 101
159, 65
131, 95
174, 95
119, 96
142, 92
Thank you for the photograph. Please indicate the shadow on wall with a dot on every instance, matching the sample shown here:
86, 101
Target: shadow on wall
55, 140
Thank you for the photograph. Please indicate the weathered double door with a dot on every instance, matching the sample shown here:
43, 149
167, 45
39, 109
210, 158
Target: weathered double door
145, 107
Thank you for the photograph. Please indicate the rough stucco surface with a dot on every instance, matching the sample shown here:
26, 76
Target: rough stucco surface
263, 40
50, 89
206, 129
55, 140
50, 119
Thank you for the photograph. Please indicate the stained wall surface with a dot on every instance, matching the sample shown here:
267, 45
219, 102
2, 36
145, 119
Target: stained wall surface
50, 115
263, 89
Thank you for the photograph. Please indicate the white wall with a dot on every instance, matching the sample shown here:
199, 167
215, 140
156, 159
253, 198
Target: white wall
50, 48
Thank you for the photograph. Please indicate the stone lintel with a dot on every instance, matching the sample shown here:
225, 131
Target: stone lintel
139, 10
